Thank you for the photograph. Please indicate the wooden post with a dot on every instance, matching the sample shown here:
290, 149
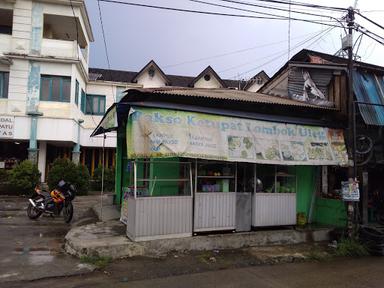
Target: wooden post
93, 161
83, 156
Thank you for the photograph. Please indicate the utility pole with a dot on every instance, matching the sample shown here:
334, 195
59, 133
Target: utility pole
351, 115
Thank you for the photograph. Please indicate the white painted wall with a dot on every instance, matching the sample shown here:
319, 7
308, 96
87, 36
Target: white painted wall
17, 89
66, 10
5, 44
212, 83
97, 141
22, 19
42, 158
254, 87
22, 128
151, 82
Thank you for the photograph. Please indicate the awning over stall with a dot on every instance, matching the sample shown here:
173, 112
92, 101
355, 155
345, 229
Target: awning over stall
161, 133
369, 89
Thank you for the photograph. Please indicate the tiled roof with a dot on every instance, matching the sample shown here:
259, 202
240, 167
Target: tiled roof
129, 76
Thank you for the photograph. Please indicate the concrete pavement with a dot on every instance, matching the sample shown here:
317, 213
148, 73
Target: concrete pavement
33, 249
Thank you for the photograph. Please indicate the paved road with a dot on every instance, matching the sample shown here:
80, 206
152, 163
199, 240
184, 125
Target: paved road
341, 273
31, 249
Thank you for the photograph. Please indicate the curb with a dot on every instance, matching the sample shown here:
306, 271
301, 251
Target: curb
103, 240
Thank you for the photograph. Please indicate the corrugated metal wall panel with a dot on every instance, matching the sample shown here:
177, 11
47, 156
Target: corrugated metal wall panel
157, 217
273, 209
131, 218
369, 88
215, 211
321, 77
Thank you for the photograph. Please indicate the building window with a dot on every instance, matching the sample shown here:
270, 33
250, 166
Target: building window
95, 104
55, 88
77, 93
82, 103
4, 79
259, 81
6, 19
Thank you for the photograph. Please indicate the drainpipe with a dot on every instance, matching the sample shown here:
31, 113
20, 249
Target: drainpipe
76, 148
33, 151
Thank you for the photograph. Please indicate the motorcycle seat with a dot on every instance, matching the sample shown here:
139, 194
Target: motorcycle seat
45, 194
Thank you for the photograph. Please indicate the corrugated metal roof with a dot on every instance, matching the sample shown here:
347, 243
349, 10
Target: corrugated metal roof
229, 94
369, 88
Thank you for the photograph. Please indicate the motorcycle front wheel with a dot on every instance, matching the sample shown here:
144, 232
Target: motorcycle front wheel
32, 212
68, 212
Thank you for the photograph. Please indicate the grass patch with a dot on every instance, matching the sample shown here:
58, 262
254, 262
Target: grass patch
318, 255
98, 261
351, 248
204, 257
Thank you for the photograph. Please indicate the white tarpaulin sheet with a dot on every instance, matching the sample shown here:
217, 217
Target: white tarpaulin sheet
170, 133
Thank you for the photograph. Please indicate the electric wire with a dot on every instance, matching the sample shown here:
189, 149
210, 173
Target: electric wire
236, 8
373, 38
289, 32
308, 5
77, 28
369, 20
359, 39
277, 17
319, 37
283, 52
105, 44
285, 10
368, 33
273, 8
185, 10
251, 11
238, 51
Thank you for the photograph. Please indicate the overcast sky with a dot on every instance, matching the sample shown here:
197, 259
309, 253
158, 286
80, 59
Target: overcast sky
184, 44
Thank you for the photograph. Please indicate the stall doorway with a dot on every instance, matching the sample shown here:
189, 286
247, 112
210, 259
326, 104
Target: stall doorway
245, 188
215, 196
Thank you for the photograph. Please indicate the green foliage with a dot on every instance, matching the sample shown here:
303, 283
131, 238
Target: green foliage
98, 261
24, 177
351, 248
64, 169
109, 179
4, 175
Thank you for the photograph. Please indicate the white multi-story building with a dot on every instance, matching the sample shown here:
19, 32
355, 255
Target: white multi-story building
50, 101
48, 105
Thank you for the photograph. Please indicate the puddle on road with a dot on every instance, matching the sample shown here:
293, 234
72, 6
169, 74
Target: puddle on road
6, 260
40, 257
7, 275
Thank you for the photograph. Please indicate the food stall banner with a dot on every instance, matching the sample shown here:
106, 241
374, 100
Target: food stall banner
159, 133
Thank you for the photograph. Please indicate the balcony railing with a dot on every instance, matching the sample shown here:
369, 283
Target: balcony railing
63, 49
5, 43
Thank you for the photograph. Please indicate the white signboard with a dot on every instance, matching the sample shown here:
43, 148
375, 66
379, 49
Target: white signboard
155, 133
350, 190
6, 126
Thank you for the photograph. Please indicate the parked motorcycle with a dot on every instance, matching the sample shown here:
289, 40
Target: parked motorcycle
59, 199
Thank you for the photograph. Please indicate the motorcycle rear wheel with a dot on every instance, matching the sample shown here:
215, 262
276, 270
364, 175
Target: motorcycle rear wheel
68, 212
32, 212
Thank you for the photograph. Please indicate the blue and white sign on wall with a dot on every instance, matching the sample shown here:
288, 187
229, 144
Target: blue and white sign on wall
7, 127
